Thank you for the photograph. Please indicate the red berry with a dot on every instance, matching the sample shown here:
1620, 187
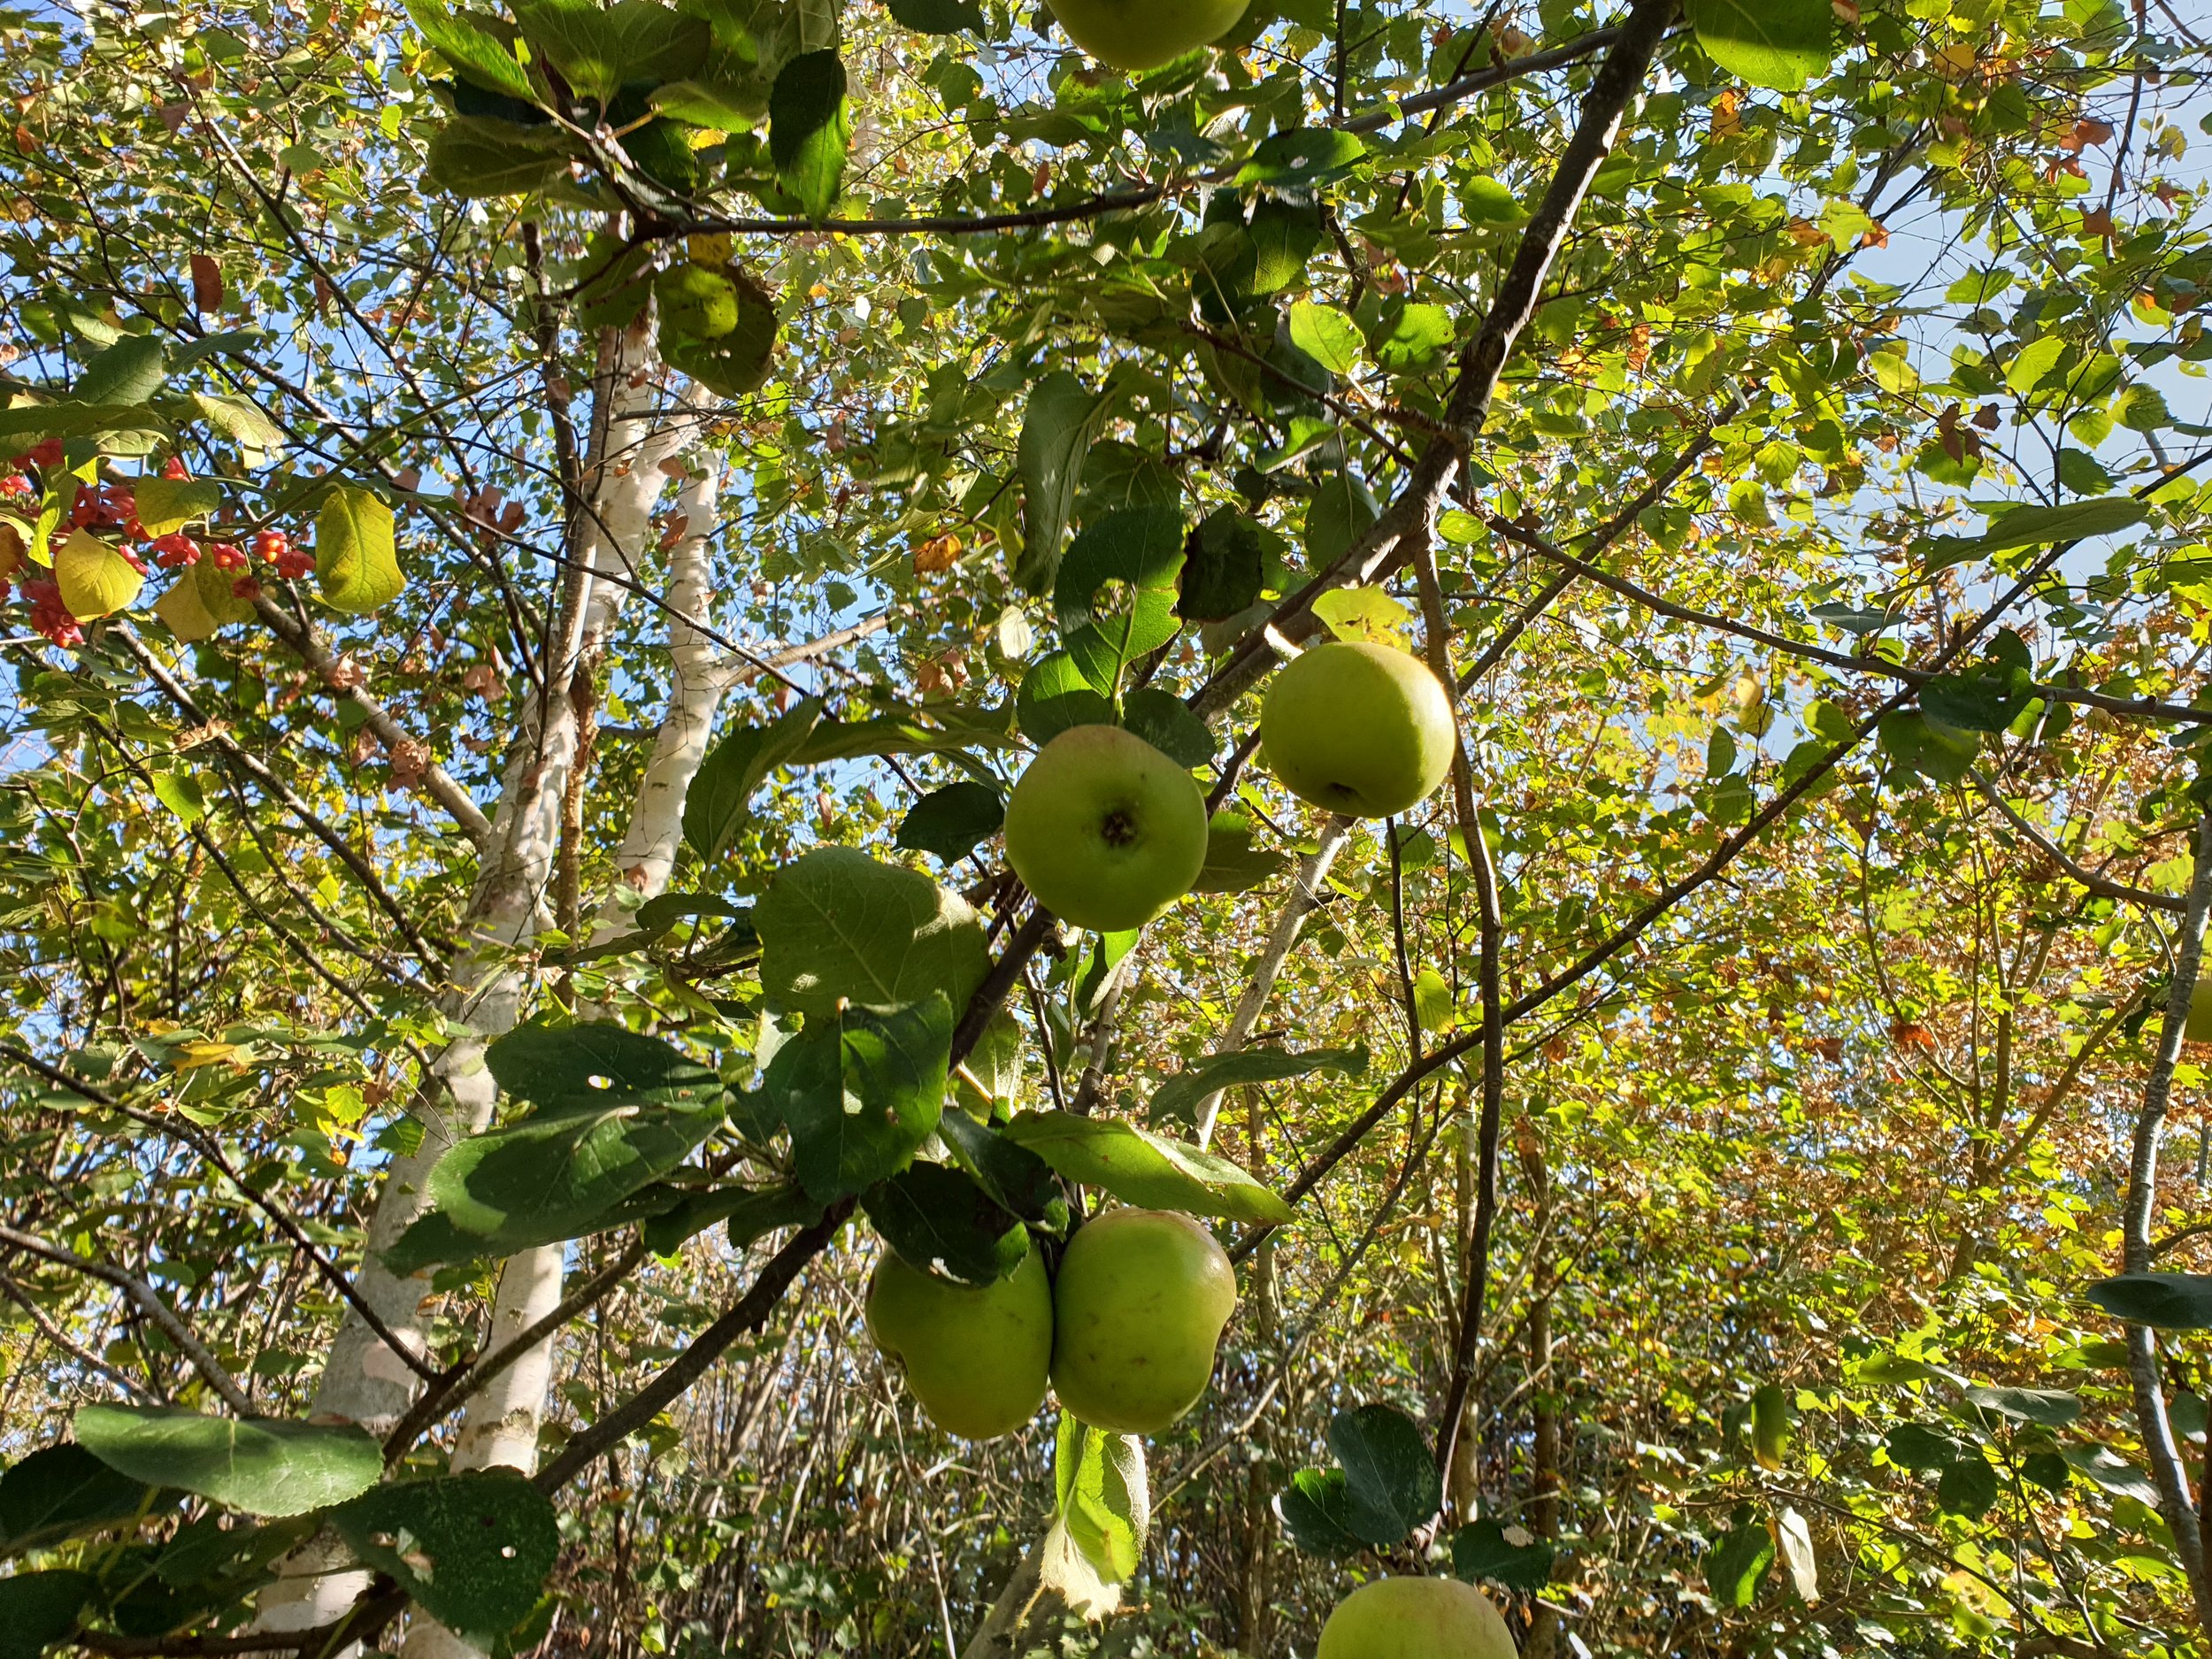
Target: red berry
174, 467
175, 550
245, 588
227, 557
293, 565
16, 484
48, 453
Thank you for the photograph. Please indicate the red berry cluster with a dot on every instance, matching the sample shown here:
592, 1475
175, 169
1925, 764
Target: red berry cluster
111, 510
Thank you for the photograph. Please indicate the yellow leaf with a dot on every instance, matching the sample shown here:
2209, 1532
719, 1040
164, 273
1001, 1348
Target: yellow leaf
183, 613
95, 579
1364, 614
190, 1056
170, 503
356, 562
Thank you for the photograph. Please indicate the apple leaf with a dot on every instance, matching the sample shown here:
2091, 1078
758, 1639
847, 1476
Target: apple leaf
473, 1549
1916, 1445
1315, 1511
481, 156
1021, 1180
952, 822
752, 1213
1144, 1169
618, 1110
59, 1491
1484, 1549
1177, 1100
477, 48
2036, 526
599, 50
1165, 720
262, 1465
38, 1608
721, 795
1224, 565
1061, 415
860, 1089
2052, 1408
1135, 555
944, 1222
1391, 1484
837, 925
1055, 697
810, 129
937, 17
1738, 1561
1770, 1426
1105, 1496
1232, 864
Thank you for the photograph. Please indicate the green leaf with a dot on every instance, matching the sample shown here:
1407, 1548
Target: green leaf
836, 925
480, 48
1058, 425
809, 129
1105, 1496
476, 156
1981, 702
600, 50
1136, 555
60, 1490
261, 1465
752, 1213
2052, 1408
596, 1066
2172, 1301
1145, 1169
1737, 1562
1968, 1486
1777, 43
180, 793
954, 821
1484, 1549
129, 372
2108, 1468
170, 503
245, 423
356, 557
1304, 157
38, 1608
1232, 864
1316, 1510
1412, 338
1770, 1426
720, 801
617, 1112
937, 17
860, 1090
1392, 1481
1937, 751
1916, 1445
1326, 335
1433, 1004
1165, 720
1023, 1183
1224, 564
943, 1222
473, 1549
1055, 697
2035, 527
27, 424
1178, 1098
2032, 364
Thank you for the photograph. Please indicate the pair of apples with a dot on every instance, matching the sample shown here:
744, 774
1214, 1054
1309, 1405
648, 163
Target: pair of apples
1126, 1333
1107, 832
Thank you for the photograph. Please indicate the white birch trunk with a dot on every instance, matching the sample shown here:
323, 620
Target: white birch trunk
500, 1426
364, 1382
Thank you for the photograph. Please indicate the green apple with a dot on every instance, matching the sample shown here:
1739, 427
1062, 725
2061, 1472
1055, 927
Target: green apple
1145, 33
1104, 829
1358, 729
1141, 1302
1416, 1618
975, 1358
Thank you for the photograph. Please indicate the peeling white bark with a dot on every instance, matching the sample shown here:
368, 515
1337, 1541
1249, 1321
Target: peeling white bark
363, 1382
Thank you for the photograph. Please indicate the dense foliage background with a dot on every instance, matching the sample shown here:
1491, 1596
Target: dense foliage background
1806, 487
